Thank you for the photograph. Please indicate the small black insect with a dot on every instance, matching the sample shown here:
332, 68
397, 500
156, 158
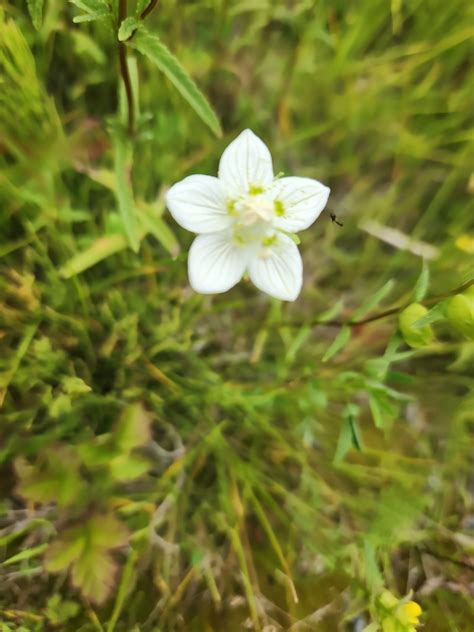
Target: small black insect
334, 220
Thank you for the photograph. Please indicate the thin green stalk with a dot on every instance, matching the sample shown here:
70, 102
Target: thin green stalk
122, 14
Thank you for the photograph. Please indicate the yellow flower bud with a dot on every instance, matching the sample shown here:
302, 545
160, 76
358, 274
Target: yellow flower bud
415, 337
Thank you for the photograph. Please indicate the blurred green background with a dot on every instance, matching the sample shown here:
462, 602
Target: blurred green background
170, 461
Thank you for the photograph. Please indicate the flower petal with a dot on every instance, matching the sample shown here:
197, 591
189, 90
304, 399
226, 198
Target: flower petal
298, 202
197, 203
215, 263
278, 271
245, 163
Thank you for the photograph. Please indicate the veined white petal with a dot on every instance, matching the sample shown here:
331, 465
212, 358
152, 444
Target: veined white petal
245, 164
215, 263
278, 270
197, 203
298, 202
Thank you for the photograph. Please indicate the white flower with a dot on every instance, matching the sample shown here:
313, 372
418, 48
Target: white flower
245, 219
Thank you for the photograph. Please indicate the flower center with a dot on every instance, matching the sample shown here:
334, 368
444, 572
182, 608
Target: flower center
254, 209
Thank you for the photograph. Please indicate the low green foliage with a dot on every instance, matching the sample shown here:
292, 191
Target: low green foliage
171, 461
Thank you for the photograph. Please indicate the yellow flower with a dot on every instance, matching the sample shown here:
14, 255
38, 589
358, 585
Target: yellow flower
409, 613
398, 615
465, 243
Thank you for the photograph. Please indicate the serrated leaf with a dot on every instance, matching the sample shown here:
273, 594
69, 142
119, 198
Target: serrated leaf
127, 28
62, 553
421, 286
153, 48
338, 343
35, 8
94, 574
106, 531
373, 300
86, 549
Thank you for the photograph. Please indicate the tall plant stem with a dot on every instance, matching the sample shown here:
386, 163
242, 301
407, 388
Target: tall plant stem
151, 5
124, 68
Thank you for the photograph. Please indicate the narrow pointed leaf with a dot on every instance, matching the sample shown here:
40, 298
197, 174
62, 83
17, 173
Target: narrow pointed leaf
338, 343
151, 46
421, 287
124, 192
374, 300
35, 7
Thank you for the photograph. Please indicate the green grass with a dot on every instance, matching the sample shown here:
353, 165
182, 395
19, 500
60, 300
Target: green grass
171, 461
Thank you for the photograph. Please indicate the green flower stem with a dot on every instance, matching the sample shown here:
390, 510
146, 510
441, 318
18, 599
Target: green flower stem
389, 312
122, 14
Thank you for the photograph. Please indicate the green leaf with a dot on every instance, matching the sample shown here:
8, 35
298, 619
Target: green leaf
62, 553
73, 385
160, 230
94, 574
350, 435
101, 249
128, 467
421, 287
372, 572
86, 549
35, 7
127, 28
141, 6
105, 530
124, 192
133, 428
27, 554
344, 442
338, 343
93, 10
436, 313
383, 410
151, 46
55, 478
373, 300
58, 611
